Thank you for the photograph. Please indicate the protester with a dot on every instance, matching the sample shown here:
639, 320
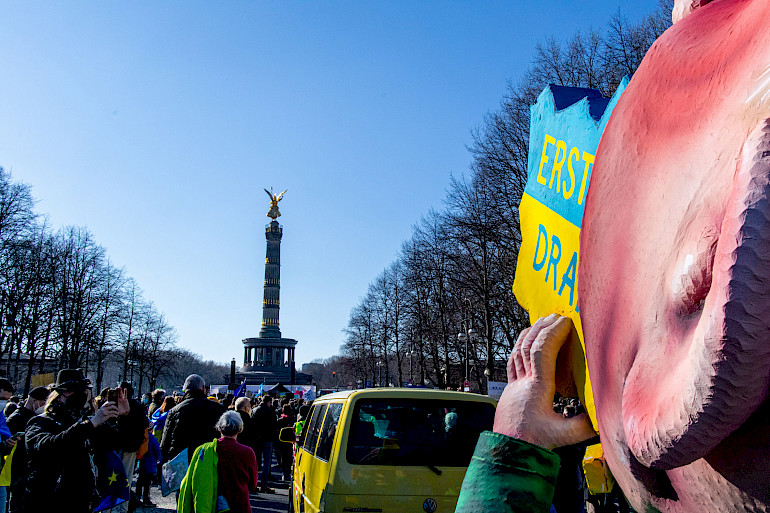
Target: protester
61, 445
237, 465
148, 468
131, 436
17, 423
287, 419
158, 418
248, 436
10, 407
158, 396
145, 402
265, 430
190, 423
301, 419
100, 399
6, 394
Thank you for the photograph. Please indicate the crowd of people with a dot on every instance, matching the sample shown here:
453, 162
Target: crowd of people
59, 441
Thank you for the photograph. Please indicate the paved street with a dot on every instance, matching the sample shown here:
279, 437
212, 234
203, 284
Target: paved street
260, 502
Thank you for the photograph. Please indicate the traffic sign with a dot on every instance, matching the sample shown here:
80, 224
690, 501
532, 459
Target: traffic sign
467, 386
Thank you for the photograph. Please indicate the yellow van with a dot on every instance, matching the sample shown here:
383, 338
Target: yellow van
398, 450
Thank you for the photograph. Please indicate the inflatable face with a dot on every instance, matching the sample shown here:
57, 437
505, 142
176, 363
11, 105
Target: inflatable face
674, 278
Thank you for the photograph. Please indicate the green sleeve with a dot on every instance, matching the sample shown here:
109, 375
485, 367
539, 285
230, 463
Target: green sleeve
507, 475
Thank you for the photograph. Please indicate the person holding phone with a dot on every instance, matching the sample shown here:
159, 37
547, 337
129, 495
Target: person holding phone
61, 445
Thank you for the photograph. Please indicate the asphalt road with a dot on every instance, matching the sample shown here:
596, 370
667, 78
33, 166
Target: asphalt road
260, 502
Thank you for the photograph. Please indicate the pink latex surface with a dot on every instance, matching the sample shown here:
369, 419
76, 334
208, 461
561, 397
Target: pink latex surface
674, 279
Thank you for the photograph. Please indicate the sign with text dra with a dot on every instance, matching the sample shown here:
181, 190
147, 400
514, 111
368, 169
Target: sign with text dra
565, 127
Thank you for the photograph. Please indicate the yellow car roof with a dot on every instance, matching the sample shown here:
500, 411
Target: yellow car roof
404, 393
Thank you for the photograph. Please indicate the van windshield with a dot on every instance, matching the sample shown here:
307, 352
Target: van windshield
413, 432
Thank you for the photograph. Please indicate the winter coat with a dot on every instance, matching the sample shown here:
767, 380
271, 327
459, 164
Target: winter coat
60, 461
17, 422
149, 462
198, 493
264, 424
131, 429
507, 475
190, 424
248, 436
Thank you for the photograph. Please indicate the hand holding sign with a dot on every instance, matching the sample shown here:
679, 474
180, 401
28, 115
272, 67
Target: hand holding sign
567, 123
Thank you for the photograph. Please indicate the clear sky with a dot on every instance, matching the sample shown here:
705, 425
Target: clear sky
158, 124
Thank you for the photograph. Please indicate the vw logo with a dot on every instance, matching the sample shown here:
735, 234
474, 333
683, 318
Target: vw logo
429, 505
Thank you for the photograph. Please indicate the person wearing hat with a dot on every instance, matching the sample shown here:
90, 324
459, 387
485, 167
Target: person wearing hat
17, 423
61, 445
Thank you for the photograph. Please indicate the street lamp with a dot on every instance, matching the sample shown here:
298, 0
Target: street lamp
379, 373
463, 338
409, 354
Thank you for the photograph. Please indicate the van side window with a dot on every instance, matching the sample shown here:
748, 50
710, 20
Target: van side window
315, 427
411, 432
326, 439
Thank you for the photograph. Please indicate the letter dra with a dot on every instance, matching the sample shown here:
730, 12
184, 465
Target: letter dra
553, 257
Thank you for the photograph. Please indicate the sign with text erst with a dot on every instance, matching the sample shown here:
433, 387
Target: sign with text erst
565, 127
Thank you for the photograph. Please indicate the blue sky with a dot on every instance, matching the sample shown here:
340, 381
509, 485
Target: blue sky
158, 124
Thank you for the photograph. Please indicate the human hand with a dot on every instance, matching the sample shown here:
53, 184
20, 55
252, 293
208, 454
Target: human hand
123, 406
525, 410
109, 410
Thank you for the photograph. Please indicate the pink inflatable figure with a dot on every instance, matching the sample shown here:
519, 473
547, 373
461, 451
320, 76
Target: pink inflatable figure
674, 278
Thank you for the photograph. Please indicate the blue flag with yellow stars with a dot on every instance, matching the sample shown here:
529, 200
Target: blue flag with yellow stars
241, 390
117, 490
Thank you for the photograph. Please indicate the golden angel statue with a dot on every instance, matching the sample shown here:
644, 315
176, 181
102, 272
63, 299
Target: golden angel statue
274, 199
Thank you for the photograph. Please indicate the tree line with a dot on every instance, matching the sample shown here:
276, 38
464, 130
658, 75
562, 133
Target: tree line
455, 273
65, 304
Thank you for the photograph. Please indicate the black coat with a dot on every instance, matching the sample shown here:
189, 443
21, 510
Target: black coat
60, 461
132, 426
264, 424
248, 436
190, 424
17, 422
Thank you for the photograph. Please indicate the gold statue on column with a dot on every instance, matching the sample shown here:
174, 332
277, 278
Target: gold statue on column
274, 199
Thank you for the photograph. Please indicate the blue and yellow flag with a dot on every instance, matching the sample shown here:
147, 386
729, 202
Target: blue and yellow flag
118, 489
565, 127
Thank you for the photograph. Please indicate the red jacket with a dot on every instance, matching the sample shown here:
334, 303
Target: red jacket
237, 472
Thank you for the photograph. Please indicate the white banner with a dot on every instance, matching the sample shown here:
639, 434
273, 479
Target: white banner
495, 389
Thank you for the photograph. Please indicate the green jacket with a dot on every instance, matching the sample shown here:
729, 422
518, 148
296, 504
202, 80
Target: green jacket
507, 475
198, 492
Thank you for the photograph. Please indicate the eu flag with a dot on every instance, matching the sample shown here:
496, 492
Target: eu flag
117, 490
241, 390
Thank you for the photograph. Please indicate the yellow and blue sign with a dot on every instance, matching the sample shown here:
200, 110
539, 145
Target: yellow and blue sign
565, 128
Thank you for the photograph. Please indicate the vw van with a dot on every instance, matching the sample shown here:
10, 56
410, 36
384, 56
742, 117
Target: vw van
386, 450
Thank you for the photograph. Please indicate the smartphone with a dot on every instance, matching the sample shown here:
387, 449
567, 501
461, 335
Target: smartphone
112, 395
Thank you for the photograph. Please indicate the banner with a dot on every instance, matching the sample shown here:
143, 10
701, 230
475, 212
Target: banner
565, 127
42, 380
495, 389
